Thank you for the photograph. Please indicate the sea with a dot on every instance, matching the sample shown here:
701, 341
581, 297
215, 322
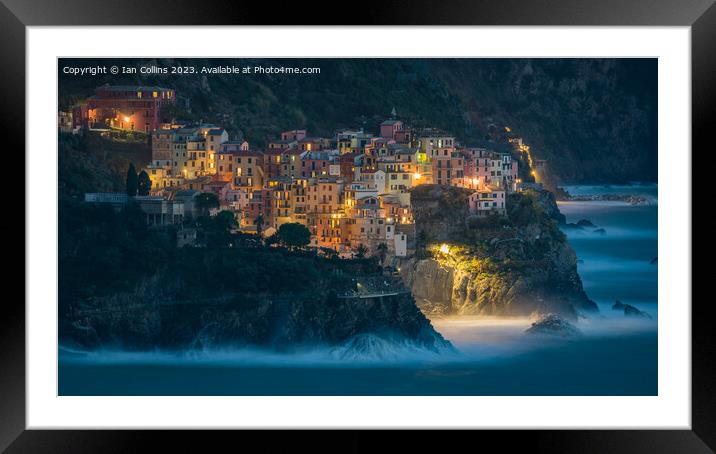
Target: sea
614, 356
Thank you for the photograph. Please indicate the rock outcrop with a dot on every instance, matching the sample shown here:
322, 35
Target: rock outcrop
279, 322
629, 310
553, 325
515, 265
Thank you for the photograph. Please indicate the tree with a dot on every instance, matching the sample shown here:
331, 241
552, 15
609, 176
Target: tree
224, 221
273, 239
382, 252
361, 251
259, 223
144, 184
294, 235
329, 253
131, 180
206, 201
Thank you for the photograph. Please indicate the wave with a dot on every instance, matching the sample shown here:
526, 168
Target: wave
475, 339
612, 233
359, 351
647, 190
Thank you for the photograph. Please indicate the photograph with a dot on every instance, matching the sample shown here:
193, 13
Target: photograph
357, 226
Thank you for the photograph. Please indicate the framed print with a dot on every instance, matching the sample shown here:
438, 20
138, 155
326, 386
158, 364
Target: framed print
464, 217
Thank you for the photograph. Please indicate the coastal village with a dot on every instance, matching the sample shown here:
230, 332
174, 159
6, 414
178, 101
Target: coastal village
351, 190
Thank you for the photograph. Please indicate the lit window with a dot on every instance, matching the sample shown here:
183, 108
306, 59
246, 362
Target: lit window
154, 94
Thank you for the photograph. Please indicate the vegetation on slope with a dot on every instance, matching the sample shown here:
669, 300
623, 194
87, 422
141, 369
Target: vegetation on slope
592, 119
91, 163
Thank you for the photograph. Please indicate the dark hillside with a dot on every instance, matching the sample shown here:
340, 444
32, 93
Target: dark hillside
594, 120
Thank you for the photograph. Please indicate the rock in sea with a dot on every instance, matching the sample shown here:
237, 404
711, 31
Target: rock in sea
585, 223
629, 310
553, 325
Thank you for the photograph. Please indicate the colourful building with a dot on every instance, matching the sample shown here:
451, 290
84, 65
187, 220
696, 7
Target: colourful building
487, 201
389, 128
125, 107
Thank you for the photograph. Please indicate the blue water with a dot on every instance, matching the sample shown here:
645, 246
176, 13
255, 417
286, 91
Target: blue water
617, 265
615, 355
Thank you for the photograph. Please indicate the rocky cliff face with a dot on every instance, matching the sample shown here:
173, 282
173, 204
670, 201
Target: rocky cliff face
279, 322
518, 265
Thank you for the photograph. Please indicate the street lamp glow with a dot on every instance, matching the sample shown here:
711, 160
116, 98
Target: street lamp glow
126, 118
417, 175
444, 248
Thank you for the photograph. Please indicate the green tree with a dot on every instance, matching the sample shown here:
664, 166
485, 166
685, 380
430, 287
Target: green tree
329, 253
131, 180
217, 230
225, 221
361, 251
144, 184
206, 201
273, 239
259, 223
294, 235
382, 252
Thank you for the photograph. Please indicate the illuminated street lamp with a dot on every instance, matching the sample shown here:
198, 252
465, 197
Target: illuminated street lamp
444, 248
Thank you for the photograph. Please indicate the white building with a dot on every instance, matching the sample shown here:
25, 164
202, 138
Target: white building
400, 243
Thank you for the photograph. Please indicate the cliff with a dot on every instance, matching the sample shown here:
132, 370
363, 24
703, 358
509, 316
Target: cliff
281, 322
520, 264
125, 285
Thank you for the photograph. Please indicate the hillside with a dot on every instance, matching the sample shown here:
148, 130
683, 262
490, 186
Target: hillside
90, 163
123, 284
594, 120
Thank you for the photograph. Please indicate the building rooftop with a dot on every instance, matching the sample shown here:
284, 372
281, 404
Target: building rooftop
186, 193
405, 150
325, 155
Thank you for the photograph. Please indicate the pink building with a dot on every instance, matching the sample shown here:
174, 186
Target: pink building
449, 170
260, 203
389, 128
293, 135
217, 187
316, 164
237, 199
310, 144
402, 136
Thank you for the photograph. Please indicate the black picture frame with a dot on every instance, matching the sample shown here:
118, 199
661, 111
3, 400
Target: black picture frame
700, 15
